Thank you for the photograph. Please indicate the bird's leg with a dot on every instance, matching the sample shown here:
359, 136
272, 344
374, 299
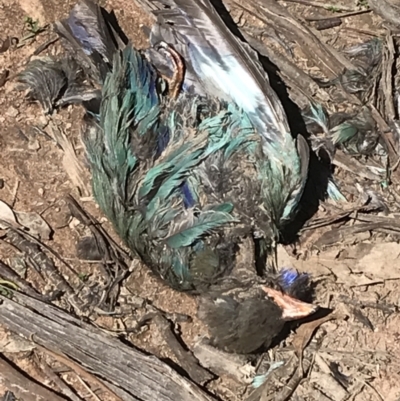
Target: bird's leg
174, 83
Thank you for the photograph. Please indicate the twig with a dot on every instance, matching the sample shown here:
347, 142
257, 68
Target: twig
387, 78
186, 359
76, 368
325, 6
352, 165
362, 31
14, 193
45, 45
344, 15
8, 274
94, 395
43, 263
110, 250
378, 395
386, 133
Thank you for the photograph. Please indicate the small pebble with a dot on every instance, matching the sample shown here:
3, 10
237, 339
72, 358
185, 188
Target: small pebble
12, 112
33, 144
74, 223
41, 191
43, 121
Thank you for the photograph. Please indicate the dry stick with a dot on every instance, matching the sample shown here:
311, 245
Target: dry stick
45, 264
338, 235
352, 165
24, 387
77, 369
9, 274
94, 395
361, 31
131, 374
45, 45
34, 240
320, 5
344, 15
386, 133
185, 358
387, 78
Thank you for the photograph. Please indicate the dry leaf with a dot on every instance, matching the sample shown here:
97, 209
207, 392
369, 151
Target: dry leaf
6, 214
35, 223
305, 332
359, 265
72, 165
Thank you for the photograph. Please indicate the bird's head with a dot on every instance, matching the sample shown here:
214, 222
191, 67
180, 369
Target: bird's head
243, 317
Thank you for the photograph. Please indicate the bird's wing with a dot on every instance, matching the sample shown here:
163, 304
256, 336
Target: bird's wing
226, 66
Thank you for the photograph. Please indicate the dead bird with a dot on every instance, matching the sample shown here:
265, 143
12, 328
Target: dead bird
186, 178
179, 179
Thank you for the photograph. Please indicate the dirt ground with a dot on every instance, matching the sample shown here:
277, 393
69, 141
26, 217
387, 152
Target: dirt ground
359, 277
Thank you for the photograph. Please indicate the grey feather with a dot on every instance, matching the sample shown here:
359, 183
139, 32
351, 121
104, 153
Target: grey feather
89, 36
48, 80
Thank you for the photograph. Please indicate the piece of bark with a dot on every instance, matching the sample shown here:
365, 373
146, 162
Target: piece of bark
128, 372
389, 10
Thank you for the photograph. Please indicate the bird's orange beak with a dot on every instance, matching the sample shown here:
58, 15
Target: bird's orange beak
292, 309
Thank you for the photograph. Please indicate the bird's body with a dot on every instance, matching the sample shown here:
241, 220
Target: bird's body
160, 173
187, 180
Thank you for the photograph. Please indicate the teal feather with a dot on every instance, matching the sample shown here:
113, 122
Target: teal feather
143, 197
343, 133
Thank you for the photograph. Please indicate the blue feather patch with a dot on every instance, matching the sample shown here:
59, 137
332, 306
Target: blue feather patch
188, 198
79, 31
163, 140
288, 278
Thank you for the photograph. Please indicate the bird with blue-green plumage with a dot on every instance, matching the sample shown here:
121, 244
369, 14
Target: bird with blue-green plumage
187, 177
